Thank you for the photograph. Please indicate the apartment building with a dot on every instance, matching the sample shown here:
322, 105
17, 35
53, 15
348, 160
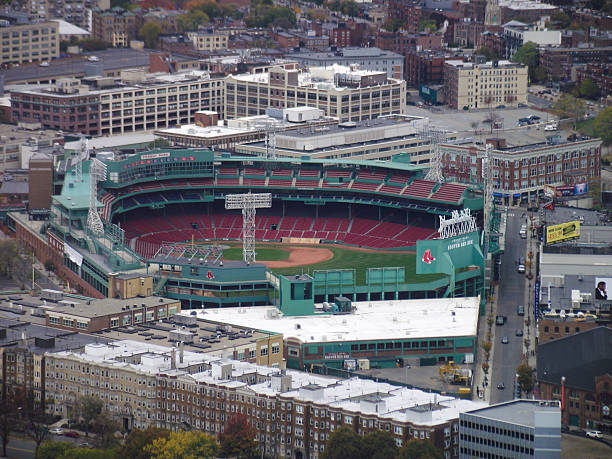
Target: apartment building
426, 67
516, 34
522, 172
208, 40
598, 73
559, 62
294, 413
347, 93
470, 85
116, 26
75, 12
135, 102
25, 43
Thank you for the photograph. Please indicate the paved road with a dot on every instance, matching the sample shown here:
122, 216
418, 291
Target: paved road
507, 357
539, 102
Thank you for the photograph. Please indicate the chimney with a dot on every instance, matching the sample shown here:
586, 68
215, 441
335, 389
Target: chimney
173, 359
181, 352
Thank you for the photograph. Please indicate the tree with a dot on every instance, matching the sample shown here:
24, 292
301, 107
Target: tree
105, 429
540, 73
344, 443
528, 55
137, 440
192, 20
379, 445
602, 125
489, 53
34, 418
588, 89
54, 449
393, 24
183, 445
149, 33
86, 453
8, 420
93, 44
419, 449
428, 25
569, 107
88, 408
238, 438
526, 377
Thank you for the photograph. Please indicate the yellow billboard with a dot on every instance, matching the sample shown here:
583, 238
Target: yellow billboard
562, 232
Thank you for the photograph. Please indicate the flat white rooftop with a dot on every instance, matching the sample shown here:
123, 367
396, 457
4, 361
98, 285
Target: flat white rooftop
373, 320
209, 132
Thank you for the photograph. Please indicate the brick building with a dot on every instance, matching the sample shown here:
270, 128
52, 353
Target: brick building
468, 33
577, 371
426, 67
407, 12
293, 413
41, 173
598, 73
142, 102
559, 62
116, 26
524, 171
402, 42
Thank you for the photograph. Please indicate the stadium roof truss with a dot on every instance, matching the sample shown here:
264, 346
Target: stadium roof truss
172, 251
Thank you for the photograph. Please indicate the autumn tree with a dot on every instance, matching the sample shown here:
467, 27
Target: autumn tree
238, 438
526, 378
419, 449
192, 20
183, 445
8, 420
54, 449
137, 440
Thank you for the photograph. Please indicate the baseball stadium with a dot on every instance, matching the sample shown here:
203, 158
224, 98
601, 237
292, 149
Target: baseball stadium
353, 226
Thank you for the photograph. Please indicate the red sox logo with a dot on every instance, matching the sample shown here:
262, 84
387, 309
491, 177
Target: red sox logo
427, 257
210, 275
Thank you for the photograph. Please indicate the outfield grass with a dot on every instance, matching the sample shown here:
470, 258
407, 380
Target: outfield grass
262, 253
344, 258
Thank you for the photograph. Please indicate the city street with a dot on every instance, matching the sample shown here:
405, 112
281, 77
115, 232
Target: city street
507, 357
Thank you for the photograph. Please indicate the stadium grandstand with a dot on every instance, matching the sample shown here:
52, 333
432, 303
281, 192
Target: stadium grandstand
152, 199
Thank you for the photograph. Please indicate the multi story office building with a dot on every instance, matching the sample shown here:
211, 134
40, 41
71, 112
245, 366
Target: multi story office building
481, 85
522, 172
103, 106
32, 42
293, 413
349, 94
373, 59
518, 429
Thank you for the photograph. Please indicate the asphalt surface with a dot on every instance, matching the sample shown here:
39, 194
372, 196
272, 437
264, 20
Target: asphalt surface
512, 286
539, 102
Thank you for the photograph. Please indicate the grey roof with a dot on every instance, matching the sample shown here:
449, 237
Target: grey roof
15, 188
580, 358
49, 339
520, 412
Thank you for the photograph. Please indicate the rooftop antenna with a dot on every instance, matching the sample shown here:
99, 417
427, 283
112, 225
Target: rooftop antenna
248, 203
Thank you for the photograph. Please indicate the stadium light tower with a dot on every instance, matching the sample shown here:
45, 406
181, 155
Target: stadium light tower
248, 203
97, 173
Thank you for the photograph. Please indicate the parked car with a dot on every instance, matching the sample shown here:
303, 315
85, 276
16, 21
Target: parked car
594, 434
72, 434
500, 106
534, 118
85, 444
522, 105
56, 431
43, 64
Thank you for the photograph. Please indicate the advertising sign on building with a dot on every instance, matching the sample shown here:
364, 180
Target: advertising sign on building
562, 232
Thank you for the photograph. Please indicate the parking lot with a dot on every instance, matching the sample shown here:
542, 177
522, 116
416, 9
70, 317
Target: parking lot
461, 121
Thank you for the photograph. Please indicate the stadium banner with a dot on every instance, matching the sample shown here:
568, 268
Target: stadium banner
301, 240
562, 232
572, 190
448, 255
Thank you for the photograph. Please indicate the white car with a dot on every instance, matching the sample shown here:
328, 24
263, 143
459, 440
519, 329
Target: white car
594, 434
43, 64
56, 431
550, 127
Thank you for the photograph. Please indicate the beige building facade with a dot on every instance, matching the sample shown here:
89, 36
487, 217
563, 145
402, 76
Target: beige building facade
493, 83
348, 94
208, 41
27, 43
